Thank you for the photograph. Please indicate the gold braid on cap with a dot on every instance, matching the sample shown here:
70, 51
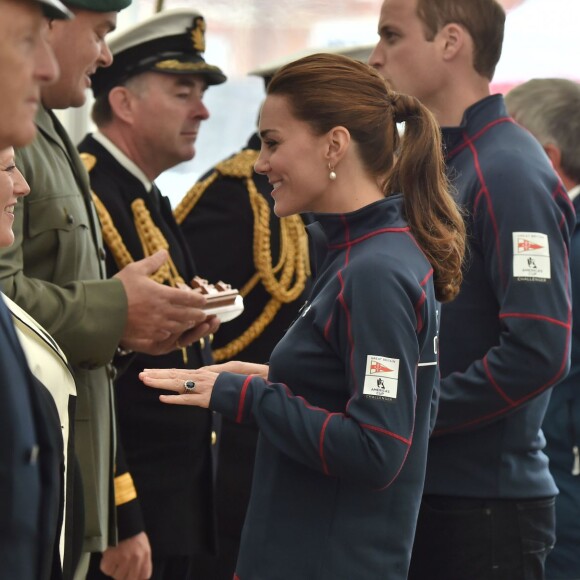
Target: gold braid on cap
287, 279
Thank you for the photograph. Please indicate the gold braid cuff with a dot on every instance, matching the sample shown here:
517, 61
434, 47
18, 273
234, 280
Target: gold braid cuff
124, 489
287, 279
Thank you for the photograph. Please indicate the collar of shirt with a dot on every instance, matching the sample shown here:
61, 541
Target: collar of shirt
129, 165
574, 192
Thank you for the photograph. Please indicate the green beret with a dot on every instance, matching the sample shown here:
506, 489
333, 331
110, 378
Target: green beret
54, 9
98, 5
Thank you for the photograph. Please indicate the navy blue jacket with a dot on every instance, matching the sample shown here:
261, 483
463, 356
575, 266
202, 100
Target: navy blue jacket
562, 429
344, 417
31, 467
505, 340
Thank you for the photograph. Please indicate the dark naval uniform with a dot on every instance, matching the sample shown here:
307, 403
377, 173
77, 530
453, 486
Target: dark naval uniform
219, 216
167, 448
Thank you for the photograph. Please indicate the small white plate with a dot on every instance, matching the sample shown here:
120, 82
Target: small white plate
227, 313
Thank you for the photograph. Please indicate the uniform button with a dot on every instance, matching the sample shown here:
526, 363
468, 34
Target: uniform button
202, 343
33, 455
70, 220
213, 437
102, 254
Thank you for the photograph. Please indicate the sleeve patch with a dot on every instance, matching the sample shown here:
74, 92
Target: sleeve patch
381, 378
531, 257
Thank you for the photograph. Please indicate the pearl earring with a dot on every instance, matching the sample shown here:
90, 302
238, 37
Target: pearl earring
332, 173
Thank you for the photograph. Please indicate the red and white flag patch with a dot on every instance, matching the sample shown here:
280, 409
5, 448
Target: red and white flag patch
381, 377
531, 256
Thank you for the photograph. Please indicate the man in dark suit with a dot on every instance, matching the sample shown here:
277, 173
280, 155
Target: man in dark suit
31, 448
148, 111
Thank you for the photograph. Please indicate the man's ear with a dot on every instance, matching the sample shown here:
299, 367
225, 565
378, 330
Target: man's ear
121, 102
338, 140
555, 155
452, 38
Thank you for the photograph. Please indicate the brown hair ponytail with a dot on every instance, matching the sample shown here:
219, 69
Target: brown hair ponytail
328, 90
419, 173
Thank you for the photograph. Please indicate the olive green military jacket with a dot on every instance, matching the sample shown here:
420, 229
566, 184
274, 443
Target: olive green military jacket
55, 272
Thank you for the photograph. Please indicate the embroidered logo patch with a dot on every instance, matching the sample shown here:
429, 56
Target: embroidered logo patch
531, 256
381, 378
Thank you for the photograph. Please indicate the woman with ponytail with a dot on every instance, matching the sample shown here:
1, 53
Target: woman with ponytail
345, 406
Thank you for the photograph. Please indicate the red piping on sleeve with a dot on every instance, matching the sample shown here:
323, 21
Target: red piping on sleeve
321, 444
485, 192
495, 385
534, 317
243, 392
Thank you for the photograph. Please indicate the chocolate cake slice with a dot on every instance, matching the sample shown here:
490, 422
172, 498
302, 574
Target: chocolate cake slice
217, 295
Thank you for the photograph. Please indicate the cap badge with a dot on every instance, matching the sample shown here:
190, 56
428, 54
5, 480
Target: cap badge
197, 32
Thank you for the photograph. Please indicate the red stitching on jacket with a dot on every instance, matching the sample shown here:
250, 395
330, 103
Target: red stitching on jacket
367, 236
478, 135
243, 392
389, 433
418, 306
531, 395
494, 384
321, 445
484, 191
534, 317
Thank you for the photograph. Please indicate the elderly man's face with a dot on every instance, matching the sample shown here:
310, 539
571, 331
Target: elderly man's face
26, 63
167, 113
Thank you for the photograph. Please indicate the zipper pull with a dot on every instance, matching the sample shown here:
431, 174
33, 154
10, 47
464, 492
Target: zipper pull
576, 466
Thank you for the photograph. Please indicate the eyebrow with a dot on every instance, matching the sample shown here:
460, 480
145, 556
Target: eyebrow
266, 132
190, 82
383, 28
184, 82
111, 25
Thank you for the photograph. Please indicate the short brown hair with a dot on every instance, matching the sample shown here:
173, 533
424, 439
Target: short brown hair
101, 113
483, 19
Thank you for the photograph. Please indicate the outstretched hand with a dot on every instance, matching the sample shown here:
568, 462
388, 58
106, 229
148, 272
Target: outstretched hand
204, 379
174, 380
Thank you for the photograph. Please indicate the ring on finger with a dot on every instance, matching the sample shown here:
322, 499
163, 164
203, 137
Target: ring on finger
189, 387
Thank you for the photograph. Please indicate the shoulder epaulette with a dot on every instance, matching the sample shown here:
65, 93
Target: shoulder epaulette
284, 281
89, 161
240, 166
